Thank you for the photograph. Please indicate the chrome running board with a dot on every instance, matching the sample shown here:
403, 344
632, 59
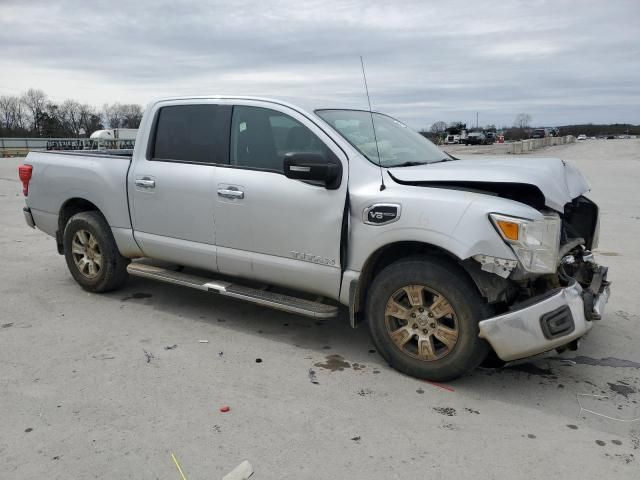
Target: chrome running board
265, 298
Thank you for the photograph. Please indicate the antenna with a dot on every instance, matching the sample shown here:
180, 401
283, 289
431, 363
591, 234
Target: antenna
375, 138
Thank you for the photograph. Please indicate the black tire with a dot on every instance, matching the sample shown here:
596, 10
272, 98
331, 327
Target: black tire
112, 271
468, 308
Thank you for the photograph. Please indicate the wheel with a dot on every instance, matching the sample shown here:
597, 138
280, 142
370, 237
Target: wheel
423, 316
91, 253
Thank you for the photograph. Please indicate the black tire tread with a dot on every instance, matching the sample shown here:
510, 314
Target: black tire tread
114, 272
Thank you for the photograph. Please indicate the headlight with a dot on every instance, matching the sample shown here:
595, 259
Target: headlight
535, 242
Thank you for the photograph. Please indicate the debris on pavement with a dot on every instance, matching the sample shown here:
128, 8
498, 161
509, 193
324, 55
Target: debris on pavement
149, 355
312, 377
258, 360
440, 385
225, 409
598, 414
448, 411
175, 460
356, 439
203, 341
170, 347
220, 354
7, 325
241, 472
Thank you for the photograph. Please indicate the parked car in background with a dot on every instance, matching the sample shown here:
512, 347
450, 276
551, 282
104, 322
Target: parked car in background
490, 138
582, 136
475, 138
539, 133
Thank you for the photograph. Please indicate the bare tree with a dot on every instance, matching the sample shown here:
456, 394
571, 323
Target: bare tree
11, 114
6, 111
438, 127
90, 120
35, 102
523, 120
132, 115
70, 116
113, 115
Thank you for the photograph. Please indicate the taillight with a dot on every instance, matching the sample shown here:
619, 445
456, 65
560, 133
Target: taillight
24, 172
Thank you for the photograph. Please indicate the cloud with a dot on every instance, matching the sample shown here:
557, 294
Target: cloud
560, 61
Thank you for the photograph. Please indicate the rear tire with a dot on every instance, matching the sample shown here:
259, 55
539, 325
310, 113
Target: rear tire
423, 316
92, 254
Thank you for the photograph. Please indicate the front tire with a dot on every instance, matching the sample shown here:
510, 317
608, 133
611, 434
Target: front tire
423, 316
92, 254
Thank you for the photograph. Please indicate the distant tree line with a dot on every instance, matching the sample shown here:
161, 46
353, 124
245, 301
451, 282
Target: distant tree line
33, 114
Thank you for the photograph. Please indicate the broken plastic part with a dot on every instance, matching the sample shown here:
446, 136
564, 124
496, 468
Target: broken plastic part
499, 266
241, 472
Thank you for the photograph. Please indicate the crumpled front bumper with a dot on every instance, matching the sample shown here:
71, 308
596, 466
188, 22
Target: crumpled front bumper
529, 330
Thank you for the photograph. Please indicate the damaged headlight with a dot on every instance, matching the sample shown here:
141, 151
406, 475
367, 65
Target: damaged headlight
535, 242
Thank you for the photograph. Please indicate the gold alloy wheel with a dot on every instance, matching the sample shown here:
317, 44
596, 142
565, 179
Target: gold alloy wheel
421, 322
86, 253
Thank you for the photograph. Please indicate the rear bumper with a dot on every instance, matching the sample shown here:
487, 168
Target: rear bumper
28, 217
548, 324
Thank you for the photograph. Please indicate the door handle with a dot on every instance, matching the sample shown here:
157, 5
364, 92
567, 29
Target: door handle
145, 183
229, 193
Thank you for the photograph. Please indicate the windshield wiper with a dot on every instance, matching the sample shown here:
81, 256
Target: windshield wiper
414, 164
443, 160
409, 164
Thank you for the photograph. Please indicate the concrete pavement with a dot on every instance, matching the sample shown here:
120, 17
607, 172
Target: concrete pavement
90, 389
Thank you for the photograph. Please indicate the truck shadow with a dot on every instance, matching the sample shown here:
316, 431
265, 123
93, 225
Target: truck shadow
326, 337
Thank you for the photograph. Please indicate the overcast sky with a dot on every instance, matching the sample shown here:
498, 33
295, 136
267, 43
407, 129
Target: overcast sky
560, 61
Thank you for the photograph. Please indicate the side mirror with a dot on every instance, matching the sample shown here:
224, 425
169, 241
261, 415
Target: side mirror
313, 168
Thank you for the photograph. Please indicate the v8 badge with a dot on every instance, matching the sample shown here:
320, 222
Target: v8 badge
381, 213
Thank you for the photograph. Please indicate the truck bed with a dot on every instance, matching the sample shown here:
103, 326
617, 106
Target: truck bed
99, 177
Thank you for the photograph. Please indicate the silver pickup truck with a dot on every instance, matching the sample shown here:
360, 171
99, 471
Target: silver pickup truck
446, 260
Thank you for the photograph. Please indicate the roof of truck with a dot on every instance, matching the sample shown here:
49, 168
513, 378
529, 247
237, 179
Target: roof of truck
308, 105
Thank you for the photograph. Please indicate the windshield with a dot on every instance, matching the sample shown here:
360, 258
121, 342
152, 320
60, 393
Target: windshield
398, 144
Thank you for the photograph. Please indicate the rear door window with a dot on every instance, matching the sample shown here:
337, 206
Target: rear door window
192, 133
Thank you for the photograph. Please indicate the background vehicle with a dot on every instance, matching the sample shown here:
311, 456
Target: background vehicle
539, 133
582, 136
116, 138
475, 138
445, 259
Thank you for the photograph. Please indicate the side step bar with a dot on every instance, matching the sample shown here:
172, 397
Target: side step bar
260, 297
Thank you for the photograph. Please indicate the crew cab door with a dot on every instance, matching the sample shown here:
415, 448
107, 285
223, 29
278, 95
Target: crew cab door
171, 182
270, 227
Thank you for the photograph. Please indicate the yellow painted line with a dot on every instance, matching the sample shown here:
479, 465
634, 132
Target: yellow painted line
175, 460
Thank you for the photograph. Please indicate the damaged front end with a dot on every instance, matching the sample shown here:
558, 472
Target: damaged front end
540, 310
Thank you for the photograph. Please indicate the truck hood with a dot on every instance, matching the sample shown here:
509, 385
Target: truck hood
535, 181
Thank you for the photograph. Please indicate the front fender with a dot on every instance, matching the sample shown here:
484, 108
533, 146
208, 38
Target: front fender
453, 220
